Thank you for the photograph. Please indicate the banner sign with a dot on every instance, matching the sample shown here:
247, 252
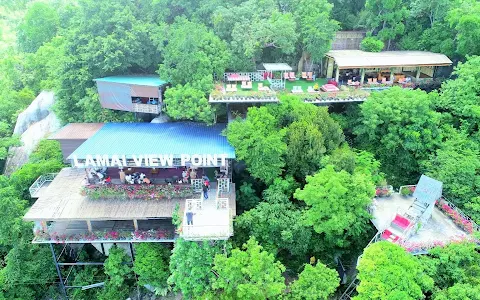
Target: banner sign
150, 160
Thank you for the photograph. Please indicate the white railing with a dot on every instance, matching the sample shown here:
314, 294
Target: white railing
37, 185
194, 204
146, 108
223, 184
197, 184
254, 76
278, 84
475, 226
206, 232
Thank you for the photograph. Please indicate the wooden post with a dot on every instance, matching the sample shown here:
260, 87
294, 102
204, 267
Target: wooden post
135, 224
362, 76
89, 225
337, 74
418, 73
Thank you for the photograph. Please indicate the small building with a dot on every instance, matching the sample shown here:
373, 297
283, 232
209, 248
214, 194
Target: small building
73, 135
134, 93
394, 66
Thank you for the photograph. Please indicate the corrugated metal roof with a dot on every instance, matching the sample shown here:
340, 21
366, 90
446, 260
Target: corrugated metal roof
156, 138
428, 190
147, 80
361, 59
277, 67
76, 131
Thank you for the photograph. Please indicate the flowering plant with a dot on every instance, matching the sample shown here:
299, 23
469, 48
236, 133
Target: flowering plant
407, 190
112, 235
137, 191
383, 191
456, 217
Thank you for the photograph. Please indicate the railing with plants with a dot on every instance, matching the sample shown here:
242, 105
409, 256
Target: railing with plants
423, 247
340, 96
105, 235
205, 232
137, 191
244, 96
37, 185
457, 215
407, 190
383, 191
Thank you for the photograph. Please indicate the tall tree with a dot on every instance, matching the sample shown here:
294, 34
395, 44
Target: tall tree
277, 227
188, 103
465, 18
385, 18
39, 26
337, 204
192, 54
259, 143
117, 268
191, 267
151, 266
316, 28
315, 282
251, 273
401, 128
387, 271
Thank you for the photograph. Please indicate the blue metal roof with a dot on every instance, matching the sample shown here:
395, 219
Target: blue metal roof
428, 190
156, 138
147, 80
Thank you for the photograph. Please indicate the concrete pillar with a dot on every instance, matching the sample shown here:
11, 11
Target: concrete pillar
392, 75
135, 224
337, 74
89, 225
418, 73
362, 76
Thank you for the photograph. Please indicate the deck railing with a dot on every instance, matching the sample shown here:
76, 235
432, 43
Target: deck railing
147, 108
38, 184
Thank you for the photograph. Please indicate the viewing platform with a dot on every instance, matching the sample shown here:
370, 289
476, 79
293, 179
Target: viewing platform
65, 213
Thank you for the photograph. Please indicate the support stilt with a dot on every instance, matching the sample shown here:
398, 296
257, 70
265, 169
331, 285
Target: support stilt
62, 285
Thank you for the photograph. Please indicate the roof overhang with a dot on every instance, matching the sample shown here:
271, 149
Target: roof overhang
277, 67
353, 59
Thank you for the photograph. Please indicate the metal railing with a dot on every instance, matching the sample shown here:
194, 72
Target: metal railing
475, 226
206, 232
38, 184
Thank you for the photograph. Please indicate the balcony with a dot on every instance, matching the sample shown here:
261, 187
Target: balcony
77, 232
147, 108
212, 217
41, 184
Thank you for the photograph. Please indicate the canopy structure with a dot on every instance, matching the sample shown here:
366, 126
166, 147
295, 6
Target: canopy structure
156, 138
428, 190
276, 67
349, 59
271, 67
419, 62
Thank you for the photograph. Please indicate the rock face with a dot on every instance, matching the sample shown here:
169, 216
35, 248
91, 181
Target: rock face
33, 124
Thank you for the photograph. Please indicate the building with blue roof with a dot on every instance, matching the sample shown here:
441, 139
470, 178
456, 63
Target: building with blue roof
135, 93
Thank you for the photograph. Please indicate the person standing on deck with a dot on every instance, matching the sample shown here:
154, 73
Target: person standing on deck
205, 191
189, 217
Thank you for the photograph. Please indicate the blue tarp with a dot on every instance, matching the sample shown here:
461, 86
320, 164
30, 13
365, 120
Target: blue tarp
156, 138
146, 80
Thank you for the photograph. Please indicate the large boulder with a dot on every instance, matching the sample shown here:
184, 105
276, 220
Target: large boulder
35, 123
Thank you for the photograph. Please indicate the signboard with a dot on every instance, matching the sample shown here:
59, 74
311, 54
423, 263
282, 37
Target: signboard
150, 160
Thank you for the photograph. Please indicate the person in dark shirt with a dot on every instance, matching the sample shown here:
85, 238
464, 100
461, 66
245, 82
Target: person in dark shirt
205, 191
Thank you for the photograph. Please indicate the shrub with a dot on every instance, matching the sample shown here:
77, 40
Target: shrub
371, 44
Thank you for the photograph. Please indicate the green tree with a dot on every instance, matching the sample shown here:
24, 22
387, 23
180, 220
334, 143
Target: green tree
371, 44
191, 267
460, 291
39, 26
337, 204
259, 143
151, 266
401, 128
192, 55
117, 267
251, 273
101, 38
188, 103
459, 97
316, 27
277, 227
465, 18
387, 271
456, 163
315, 282
246, 196
454, 264
385, 18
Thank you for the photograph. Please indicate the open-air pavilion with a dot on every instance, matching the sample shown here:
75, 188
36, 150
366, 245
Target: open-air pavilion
277, 83
391, 66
